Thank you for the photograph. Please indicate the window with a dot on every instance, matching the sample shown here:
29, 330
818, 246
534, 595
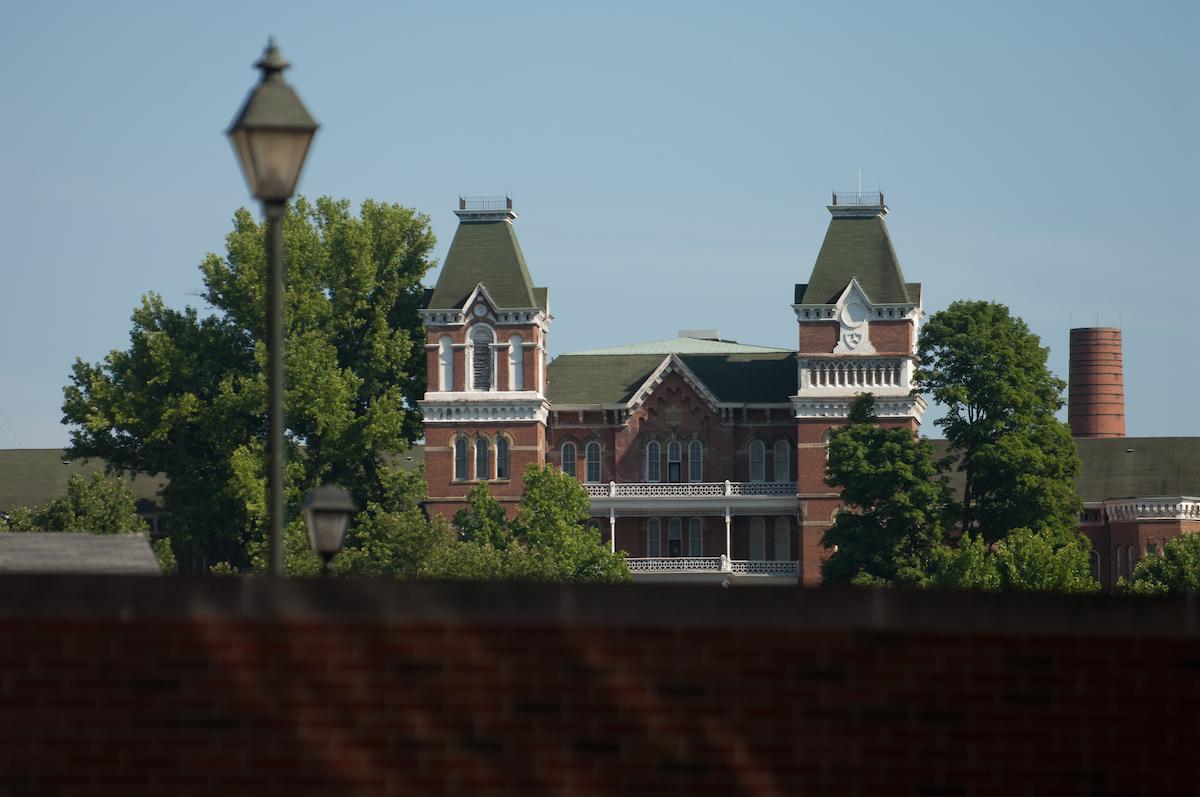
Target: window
783, 540
446, 363
674, 461
569, 457
757, 461
674, 537
482, 471
592, 452
1094, 560
695, 461
501, 457
825, 438
758, 539
481, 358
1120, 562
695, 537
653, 537
516, 363
460, 460
781, 464
1130, 561
653, 461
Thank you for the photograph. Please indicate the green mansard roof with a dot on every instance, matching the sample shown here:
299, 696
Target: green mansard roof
485, 252
857, 247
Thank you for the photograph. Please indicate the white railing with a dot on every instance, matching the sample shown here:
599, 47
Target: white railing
710, 564
855, 373
688, 489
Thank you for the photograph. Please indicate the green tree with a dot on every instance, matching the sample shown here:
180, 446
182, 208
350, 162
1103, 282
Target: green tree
549, 540
100, 505
1175, 571
187, 399
1018, 461
894, 502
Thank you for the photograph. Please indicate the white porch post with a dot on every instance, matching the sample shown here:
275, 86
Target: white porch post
728, 546
612, 530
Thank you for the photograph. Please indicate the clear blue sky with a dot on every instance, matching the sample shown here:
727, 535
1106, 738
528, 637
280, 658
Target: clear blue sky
670, 162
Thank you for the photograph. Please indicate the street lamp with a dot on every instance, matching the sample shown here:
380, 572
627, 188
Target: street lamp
327, 512
271, 135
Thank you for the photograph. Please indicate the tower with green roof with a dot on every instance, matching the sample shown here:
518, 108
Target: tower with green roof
858, 322
485, 407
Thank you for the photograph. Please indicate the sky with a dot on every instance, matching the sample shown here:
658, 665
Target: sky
671, 162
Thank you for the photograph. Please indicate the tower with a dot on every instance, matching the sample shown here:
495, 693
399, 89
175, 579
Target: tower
1096, 393
485, 340
858, 333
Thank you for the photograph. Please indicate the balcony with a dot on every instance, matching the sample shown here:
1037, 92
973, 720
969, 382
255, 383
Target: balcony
709, 568
701, 498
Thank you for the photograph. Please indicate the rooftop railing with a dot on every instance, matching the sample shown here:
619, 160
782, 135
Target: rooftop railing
865, 198
485, 203
688, 489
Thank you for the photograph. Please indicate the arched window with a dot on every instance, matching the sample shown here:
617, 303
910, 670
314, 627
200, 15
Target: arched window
1130, 561
1094, 559
674, 461
674, 537
516, 363
653, 537
446, 363
482, 471
460, 460
481, 358
695, 461
758, 539
1120, 562
569, 457
653, 461
695, 537
502, 457
783, 540
781, 468
592, 453
758, 464
825, 438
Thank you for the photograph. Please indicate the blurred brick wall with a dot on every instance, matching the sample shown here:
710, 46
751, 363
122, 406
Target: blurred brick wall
128, 686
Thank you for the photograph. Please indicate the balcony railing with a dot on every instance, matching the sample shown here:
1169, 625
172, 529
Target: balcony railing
689, 489
711, 564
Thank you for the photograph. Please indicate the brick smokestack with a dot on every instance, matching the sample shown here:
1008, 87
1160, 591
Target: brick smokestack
1096, 392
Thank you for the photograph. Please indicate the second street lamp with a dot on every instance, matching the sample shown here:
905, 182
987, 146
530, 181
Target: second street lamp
271, 136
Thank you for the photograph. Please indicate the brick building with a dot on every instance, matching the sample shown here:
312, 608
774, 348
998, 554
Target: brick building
704, 458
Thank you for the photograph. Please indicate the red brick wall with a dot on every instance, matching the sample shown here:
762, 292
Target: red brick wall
526, 447
891, 337
135, 686
819, 337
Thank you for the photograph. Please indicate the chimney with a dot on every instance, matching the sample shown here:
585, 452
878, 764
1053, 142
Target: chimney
1096, 384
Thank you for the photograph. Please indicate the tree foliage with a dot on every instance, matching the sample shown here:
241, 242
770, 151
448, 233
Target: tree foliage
187, 399
1018, 461
548, 540
894, 502
100, 505
1174, 571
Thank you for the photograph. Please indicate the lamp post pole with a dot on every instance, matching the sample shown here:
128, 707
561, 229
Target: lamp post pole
271, 136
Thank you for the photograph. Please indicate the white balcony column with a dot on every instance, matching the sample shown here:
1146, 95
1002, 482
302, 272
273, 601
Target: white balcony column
612, 530
728, 523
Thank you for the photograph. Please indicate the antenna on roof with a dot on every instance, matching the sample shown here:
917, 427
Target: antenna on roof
860, 182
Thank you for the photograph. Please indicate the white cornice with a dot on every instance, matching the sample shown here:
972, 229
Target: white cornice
482, 407
839, 407
1171, 507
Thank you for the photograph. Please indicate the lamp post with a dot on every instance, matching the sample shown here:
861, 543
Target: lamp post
327, 512
271, 135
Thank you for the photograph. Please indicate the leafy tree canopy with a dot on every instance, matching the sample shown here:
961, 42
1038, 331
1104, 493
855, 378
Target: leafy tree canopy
1174, 571
100, 505
1018, 461
187, 399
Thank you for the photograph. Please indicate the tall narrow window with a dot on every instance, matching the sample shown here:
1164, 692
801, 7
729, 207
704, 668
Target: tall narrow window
516, 363
460, 460
482, 471
501, 457
695, 461
825, 438
783, 540
674, 537
781, 462
653, 537
674, 461
445, 363
481, 358
758, 465
569, 455
695, 537
653, 461
592, 453
758, 539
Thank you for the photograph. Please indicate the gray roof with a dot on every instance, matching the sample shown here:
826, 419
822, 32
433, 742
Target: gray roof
857, 248
684, 345
487, 253
68, 552
32, 476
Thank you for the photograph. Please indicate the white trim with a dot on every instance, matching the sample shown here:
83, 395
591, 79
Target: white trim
672, 363
1180, 507
839, 406
495, 407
